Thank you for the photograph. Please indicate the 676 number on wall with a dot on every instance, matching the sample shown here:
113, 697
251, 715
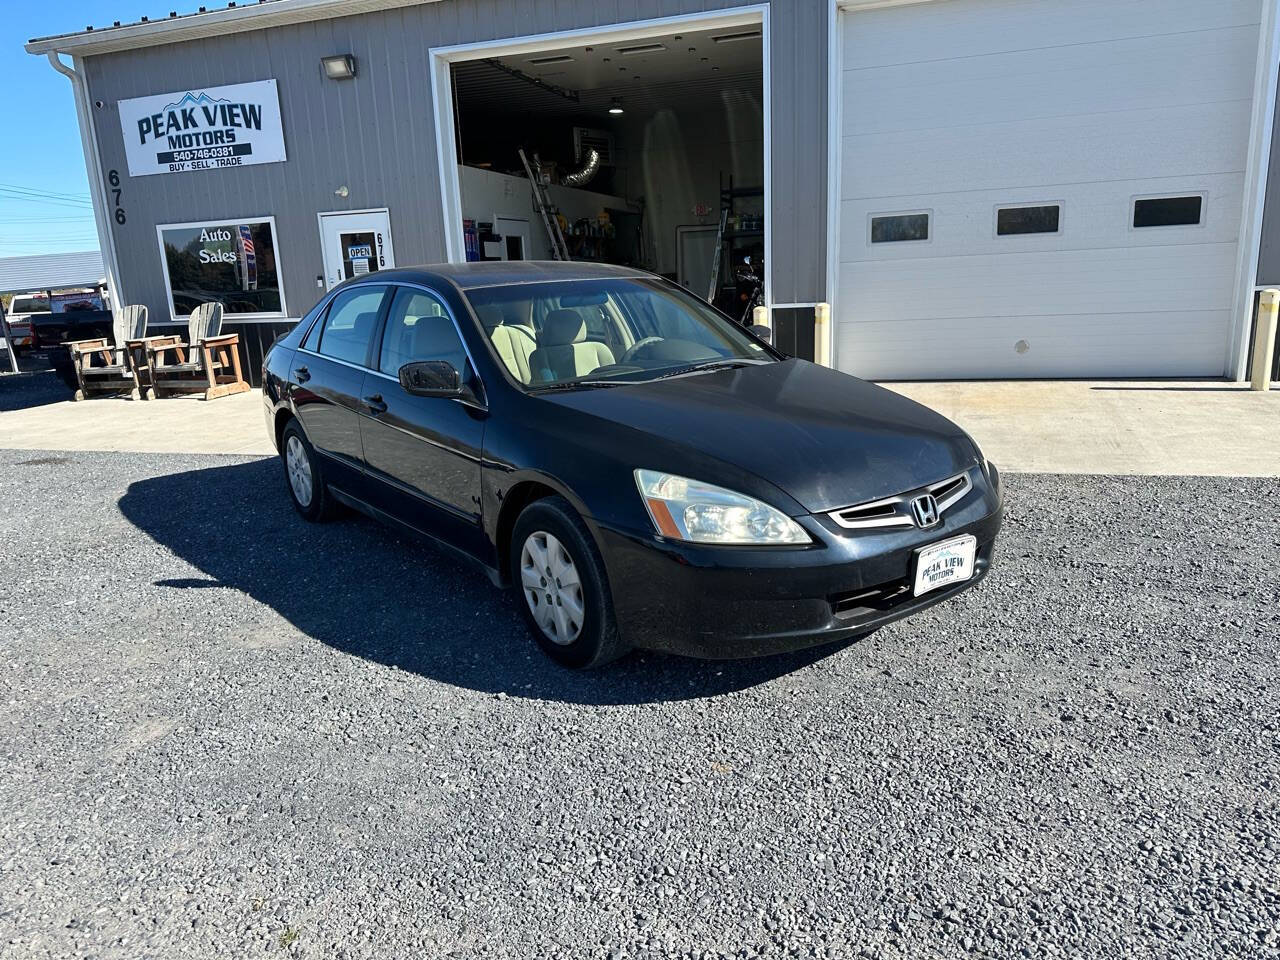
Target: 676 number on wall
113, 180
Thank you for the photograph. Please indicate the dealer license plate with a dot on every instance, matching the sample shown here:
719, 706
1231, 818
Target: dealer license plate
945, 563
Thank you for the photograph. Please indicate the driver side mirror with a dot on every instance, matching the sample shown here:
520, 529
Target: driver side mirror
431, 378
765, 333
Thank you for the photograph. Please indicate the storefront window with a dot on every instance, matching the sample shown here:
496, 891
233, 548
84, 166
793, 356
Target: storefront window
231, 261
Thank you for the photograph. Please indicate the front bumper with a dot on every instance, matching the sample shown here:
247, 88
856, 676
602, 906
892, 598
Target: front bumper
725, 603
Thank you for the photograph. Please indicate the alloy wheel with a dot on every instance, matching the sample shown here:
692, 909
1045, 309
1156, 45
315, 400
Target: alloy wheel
552, 588
298, 466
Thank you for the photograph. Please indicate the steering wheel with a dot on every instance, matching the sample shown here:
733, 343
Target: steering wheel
631, 351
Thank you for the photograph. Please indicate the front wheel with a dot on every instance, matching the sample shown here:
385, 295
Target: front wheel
302, 475
563, 586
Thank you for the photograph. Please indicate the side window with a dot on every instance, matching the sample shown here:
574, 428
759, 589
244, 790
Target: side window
313, 335
349, 326
420, 328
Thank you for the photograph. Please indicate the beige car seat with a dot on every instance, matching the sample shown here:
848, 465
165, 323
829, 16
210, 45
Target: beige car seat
564, 352
513, 343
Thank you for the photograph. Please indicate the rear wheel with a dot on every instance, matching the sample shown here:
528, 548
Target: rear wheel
302, 475
563, 586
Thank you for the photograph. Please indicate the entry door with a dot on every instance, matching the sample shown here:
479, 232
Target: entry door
355, 244
515, 237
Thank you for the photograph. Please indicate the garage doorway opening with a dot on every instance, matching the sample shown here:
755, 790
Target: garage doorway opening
645, 135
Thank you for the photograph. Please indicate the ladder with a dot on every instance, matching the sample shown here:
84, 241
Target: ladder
715, 257
547, 210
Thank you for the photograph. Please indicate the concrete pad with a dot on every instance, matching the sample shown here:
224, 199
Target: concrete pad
173, 425
1157, 428
1196, 428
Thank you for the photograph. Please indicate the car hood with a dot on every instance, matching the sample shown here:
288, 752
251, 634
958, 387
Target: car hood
825, 438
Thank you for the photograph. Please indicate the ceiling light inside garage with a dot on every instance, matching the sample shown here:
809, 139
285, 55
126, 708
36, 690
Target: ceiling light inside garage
615, 107
731, 37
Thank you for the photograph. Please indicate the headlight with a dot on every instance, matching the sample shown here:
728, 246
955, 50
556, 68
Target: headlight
684, 509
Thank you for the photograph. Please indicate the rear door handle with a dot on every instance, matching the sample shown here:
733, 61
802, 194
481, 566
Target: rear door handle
375, 403
302, 374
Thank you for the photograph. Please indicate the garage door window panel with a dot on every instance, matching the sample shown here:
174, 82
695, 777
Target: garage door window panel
911, 227
1186, 210
350, 324
1013, 221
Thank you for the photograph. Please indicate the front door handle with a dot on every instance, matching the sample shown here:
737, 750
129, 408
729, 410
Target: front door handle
375, 403
302, 374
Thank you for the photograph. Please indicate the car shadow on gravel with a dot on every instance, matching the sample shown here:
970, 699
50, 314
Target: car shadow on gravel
363, 589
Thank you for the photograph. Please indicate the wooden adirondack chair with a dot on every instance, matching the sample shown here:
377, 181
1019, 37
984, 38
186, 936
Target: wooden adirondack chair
211, 368
116, 373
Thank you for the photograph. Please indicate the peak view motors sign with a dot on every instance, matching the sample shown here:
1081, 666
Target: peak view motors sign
232, 126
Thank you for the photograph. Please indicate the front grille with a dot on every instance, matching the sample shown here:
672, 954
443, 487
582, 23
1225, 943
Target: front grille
896, 511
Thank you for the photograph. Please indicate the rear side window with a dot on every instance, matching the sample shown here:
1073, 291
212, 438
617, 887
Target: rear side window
312, 335
349, 325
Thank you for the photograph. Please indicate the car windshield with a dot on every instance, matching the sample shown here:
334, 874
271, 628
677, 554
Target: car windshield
575, 334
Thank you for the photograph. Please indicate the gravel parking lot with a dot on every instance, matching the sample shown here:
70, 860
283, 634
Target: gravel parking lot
225, 733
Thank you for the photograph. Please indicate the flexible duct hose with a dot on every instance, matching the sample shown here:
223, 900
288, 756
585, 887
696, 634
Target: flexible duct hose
580, 178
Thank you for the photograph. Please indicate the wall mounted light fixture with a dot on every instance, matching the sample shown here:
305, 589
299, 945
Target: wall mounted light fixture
341, 67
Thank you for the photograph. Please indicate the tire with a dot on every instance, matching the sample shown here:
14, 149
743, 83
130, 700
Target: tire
573, 623
314, 503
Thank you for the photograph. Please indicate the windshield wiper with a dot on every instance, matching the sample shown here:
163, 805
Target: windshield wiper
708, 365
577, 384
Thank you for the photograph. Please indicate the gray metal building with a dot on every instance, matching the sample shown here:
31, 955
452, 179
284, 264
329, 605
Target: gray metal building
979, 188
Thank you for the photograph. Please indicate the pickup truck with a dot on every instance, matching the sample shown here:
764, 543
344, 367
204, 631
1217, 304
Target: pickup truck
21, 309
34, 327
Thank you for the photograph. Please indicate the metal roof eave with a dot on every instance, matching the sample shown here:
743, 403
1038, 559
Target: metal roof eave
51, 271
209, 23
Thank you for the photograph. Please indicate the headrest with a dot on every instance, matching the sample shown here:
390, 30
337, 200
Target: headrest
561, 327
490, 316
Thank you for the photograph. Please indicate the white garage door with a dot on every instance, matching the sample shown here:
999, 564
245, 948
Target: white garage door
1080, 115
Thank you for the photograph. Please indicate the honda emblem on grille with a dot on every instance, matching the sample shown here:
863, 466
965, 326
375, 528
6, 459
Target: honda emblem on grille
925, 510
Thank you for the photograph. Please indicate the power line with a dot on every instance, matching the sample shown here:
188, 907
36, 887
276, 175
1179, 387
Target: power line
43, 202
82, 218
48, 193
33, 197
37, 241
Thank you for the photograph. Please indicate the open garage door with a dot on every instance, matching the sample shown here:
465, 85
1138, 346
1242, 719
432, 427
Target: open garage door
1036, 189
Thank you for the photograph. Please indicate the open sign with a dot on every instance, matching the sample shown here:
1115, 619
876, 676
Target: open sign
361, 250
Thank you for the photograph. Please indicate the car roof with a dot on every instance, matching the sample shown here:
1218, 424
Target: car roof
493, 273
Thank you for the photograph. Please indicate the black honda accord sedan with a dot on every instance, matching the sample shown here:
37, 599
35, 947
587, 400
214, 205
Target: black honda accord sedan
646, 472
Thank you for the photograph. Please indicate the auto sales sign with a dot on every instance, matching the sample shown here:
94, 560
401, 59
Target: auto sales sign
232, 126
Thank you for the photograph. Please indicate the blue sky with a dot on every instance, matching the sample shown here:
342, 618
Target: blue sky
44, 192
